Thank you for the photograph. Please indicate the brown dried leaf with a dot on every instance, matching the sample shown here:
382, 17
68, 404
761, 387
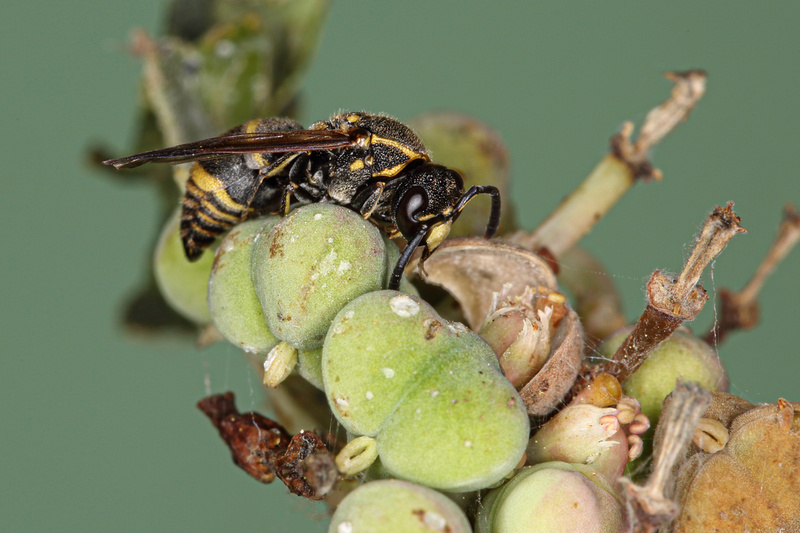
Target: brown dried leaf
265, 450
307, 467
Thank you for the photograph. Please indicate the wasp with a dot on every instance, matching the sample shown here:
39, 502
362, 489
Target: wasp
370, 163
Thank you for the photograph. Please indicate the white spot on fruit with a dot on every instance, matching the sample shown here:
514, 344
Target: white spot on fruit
434, 521
403, 305
344, 266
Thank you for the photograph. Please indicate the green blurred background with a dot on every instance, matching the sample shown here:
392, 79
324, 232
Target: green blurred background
99, 430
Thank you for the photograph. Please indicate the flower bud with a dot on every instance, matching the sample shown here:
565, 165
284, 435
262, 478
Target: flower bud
553, 496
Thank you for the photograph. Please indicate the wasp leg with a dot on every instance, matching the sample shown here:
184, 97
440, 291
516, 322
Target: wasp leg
287, 198
274, 169
405, 257
494, 215
371, 202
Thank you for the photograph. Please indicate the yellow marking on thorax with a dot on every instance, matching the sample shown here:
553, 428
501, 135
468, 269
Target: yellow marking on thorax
213, 185
358, 164
411, 154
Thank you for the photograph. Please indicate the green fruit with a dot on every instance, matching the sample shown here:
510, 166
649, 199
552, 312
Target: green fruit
392, 506
309, 365
430, 391
552, 496
312, 262
183, 283
232, 299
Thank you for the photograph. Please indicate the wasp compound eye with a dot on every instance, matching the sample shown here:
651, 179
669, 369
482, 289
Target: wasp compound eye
411, 206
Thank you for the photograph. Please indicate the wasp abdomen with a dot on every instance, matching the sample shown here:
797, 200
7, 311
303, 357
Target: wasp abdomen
216, 199
220, 193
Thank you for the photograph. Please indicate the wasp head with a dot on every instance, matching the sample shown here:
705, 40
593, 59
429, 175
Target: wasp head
425, 204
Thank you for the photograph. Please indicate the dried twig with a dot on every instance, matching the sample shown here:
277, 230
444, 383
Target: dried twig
673, 300
648, 505
739, 310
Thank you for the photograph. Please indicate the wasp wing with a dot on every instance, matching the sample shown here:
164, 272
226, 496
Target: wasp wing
240, 143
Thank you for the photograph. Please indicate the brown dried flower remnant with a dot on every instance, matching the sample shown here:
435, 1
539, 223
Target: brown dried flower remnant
265, 450
519, 329
674, 299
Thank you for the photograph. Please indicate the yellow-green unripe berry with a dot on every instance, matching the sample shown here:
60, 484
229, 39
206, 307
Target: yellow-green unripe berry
552, 496
683, 356
312, 262
391, 506
430, 391
232, 299
183, 283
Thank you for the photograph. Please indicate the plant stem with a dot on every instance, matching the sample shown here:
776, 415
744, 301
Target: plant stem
740, 309
617, 172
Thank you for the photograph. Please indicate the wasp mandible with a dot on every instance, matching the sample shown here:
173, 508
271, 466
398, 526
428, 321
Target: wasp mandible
370, 163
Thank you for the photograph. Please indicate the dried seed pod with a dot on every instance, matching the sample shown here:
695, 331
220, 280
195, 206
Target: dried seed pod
475, 272
750, 483
520, 330
547, 389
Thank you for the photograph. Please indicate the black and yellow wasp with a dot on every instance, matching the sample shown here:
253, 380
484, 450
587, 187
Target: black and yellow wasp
370, 163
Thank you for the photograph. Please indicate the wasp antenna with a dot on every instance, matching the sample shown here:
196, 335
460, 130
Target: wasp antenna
494, 215
405, 257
